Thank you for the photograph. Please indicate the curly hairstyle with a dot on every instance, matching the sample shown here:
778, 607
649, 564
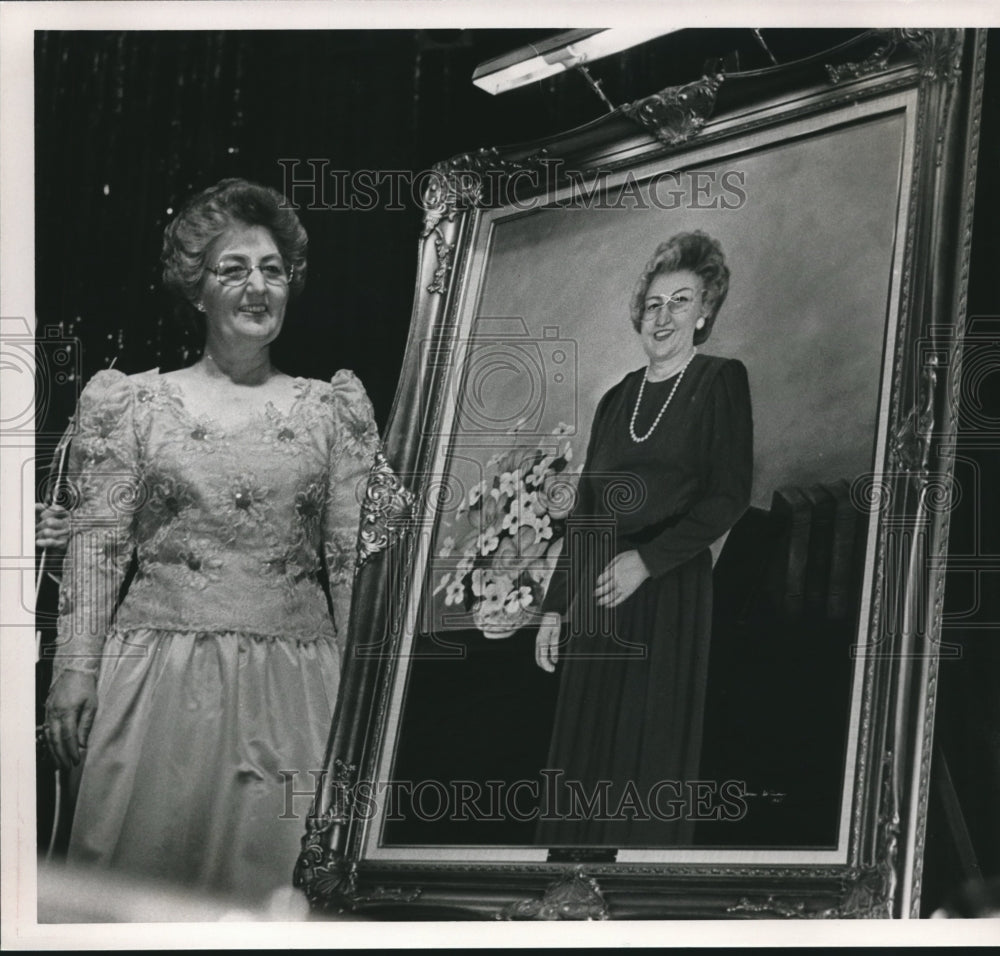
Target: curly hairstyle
206, 215
695, 252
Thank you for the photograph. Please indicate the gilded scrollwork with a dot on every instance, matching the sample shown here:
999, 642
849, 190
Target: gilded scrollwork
939, 53
467, 181
677, 113
575, 897
386, 501
911, 441
444, 250
457, 184
330, 882
868, 891
875, 62
321, 869
769, 906
327, 876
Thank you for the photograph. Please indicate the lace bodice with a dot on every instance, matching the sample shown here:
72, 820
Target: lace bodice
229, 524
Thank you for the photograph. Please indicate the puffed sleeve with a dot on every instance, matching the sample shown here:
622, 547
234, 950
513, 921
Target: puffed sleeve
353, 452
724, 492
103, 477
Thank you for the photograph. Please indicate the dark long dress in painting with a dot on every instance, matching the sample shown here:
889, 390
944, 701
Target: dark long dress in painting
632, 679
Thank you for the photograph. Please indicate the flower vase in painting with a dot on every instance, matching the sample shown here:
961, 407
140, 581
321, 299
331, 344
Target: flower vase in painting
508, 532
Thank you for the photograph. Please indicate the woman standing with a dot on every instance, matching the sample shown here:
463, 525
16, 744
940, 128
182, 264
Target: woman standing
669, 470
207, 697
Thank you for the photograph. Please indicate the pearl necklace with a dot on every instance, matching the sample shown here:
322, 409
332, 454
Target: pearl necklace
638, 402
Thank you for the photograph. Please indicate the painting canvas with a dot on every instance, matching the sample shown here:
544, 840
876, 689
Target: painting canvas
546, 330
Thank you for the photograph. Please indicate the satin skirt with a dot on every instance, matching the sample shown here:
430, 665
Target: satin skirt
204, 753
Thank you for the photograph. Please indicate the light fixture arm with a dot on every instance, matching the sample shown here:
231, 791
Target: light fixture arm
595, 85
760, 39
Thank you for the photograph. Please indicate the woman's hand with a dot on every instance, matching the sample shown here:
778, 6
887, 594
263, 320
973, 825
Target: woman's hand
620, 579
51, 526
547, 642
69, 715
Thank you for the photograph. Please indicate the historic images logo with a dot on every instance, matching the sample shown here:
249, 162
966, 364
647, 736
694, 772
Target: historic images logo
311, 184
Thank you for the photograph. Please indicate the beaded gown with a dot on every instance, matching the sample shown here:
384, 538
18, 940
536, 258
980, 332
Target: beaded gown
632, 679
219, 670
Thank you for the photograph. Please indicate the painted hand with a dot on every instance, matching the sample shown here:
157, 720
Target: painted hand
620, 579
547, 642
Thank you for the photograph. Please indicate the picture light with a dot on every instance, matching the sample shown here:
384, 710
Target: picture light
564, 51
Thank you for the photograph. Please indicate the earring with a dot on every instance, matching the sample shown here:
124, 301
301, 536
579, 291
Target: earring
700, 324
200, 306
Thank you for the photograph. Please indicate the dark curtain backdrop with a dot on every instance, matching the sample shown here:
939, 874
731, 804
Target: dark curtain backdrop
128, 124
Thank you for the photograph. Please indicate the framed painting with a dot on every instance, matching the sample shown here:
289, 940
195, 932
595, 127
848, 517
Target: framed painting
746, 732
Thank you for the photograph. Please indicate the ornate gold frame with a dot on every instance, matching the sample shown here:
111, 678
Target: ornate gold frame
882, 875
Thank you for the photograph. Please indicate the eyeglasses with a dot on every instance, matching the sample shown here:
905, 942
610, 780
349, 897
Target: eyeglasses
235, 271
676, 304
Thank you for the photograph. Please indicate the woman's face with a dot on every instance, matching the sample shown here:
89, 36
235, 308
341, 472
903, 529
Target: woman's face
674, 303
247, 311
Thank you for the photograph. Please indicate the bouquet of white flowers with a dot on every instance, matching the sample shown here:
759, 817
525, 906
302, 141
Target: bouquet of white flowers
508, 531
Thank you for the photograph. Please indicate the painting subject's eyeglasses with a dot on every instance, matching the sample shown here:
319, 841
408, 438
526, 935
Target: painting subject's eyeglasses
677, 303
234, 271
